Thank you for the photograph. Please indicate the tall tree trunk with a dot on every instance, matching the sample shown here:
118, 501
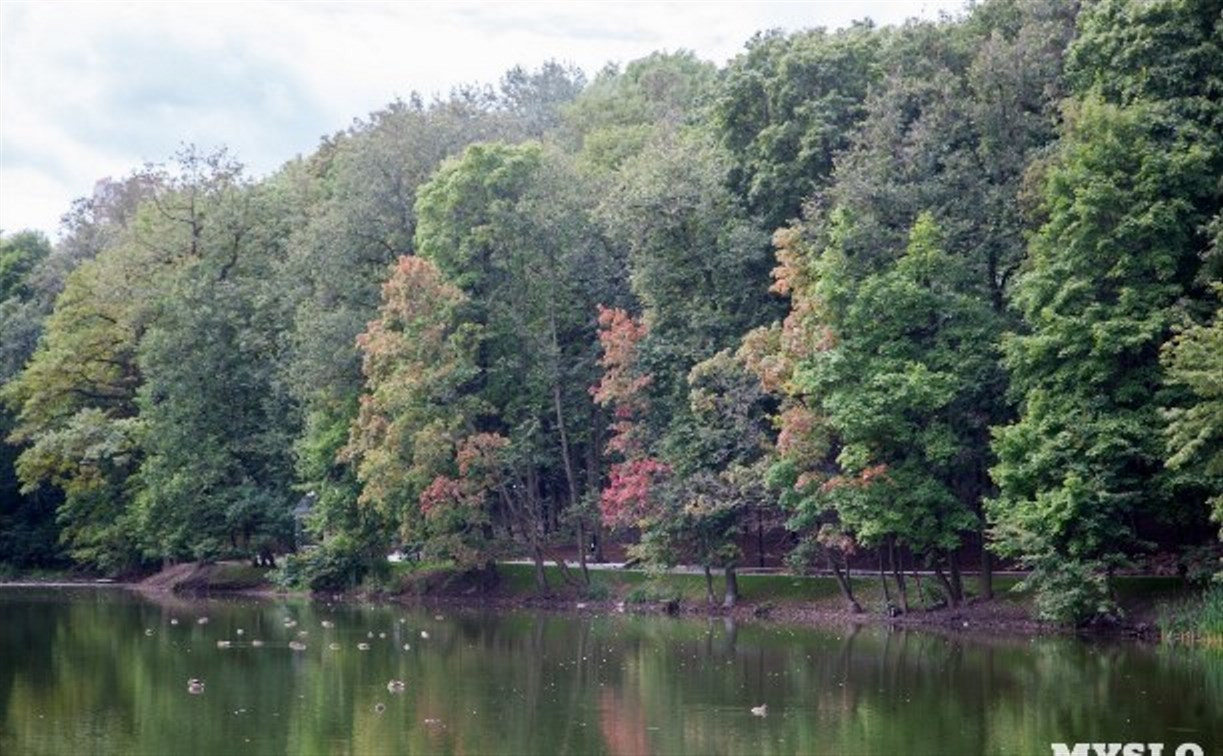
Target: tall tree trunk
957, 580
527, 512
570, 477
566, 573
582, 548
594, 478
986, 578
843, 582
566, 457
488, 576
883, 580
898, 573
541, 576
942, 578
760, 537
732, 588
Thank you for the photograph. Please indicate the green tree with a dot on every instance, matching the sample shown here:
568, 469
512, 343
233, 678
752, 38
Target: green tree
1107, 270
76, 400
888, 374
1127, 201
719, 457
959, 113
786, 107
417, 357
699, 267
29, 531
217, 478
74, 403
505, 225
536, 99
27, 525
618, 114
693, 257
358, 194
1193, 359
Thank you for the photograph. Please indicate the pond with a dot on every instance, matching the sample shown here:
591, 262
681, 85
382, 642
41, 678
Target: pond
106, 671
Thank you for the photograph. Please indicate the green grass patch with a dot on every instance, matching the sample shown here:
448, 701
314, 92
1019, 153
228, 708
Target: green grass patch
637, 586
237, 576
1150, 587
10, 573
643, 586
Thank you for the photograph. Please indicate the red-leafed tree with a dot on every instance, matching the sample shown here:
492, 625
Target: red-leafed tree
414, 419
631, 497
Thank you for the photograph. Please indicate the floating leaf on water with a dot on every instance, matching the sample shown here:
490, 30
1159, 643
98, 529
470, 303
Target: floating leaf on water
362, 646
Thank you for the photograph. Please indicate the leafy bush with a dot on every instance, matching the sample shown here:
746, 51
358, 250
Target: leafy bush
652, 594
931, 594
337, 565
1071, 592
597, 591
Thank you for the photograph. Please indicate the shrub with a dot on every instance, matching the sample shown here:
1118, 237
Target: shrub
337, 565
1071, 592
597, 591
652, 594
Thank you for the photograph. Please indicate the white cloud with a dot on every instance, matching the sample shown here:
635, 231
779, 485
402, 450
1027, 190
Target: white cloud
95, 89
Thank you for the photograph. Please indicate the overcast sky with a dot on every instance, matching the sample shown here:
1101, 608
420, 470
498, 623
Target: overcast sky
95, 89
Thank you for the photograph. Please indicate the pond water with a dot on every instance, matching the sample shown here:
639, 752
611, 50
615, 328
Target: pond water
106, 671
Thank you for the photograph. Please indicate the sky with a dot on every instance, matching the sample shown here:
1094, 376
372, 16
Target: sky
90, 90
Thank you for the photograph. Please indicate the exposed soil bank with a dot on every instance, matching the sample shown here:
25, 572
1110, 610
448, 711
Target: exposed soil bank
782, 599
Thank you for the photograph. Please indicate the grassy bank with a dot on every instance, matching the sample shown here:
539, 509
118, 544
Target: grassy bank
788, 597
1177, 610
1196, 620
640, 586
10, 574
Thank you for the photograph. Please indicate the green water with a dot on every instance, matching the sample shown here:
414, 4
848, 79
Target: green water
105, 671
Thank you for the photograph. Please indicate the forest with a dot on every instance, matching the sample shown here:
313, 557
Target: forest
933, 295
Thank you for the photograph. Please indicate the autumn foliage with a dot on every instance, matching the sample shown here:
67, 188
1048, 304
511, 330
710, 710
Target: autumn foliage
627, 499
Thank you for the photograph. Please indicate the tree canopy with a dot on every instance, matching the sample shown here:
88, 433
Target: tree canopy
915, 298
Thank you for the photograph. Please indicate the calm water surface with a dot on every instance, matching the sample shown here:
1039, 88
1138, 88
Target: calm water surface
105, 671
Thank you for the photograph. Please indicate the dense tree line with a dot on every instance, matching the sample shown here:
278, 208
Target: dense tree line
526, 316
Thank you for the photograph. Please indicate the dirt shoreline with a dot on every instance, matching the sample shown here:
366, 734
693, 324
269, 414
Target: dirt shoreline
978, 619
996, 617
